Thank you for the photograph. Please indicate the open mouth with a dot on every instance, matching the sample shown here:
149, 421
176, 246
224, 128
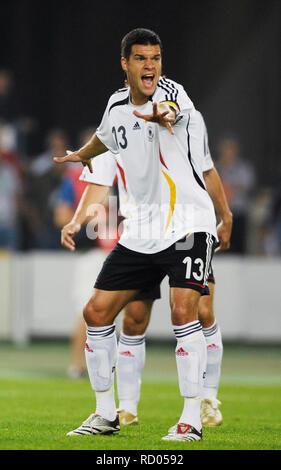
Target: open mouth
148, 80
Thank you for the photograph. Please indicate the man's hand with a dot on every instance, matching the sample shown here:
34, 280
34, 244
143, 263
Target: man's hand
224, 233
163, 116
67, 234
74, 157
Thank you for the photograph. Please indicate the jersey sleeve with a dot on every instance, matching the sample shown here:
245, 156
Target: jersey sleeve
104, 170
176, 97
104, 130
208, 163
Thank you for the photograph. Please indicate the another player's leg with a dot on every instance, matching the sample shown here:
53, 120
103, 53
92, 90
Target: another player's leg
77, 366
101, 358
191, 362
131, 358
210, 413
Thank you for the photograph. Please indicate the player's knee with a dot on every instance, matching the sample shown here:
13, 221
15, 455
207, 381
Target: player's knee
94, 314
133, 326
181, 314
206, 315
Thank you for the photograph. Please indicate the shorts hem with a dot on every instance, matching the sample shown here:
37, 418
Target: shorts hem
118, 288
189, 285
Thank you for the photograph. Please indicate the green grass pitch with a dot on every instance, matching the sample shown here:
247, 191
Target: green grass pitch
39, 404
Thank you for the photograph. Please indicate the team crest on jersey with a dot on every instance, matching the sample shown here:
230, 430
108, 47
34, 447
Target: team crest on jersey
150, 133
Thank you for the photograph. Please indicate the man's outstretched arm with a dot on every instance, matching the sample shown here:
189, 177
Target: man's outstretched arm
93, 194
91, 149
216, 192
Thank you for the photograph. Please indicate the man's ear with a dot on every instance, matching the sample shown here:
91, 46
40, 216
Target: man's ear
124, 64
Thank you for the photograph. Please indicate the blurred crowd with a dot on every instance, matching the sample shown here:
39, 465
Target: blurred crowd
37, 196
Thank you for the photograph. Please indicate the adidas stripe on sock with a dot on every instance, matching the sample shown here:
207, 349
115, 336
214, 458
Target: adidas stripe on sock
100, 332
131, 340
187, 330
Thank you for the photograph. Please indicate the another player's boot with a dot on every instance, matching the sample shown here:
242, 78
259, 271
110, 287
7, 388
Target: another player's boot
210, 413
127, 418
95, 424
183, 432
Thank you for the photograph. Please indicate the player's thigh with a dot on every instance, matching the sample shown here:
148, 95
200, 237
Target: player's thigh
104, 306
206, 307
187, 262
126, 269
136, 317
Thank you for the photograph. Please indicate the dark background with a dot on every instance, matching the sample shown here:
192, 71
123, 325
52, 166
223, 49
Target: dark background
66, 60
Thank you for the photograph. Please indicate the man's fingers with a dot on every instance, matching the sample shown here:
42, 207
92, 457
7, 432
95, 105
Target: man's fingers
70, 157
146, 117
162, 118
169, 127
68, 239
88, 165
69, 246
68, 243
223, 246
155, 109
60, 159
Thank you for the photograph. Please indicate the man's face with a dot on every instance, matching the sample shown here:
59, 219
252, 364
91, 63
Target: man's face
143, 71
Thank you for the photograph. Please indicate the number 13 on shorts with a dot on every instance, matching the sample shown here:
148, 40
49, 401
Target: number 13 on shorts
198, 273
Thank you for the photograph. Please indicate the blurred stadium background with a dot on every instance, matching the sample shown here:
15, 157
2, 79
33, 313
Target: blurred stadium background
59, 62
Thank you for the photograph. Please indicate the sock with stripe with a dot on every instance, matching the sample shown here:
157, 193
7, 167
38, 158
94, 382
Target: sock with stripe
131, 359
191, 357
214, 360
101, 357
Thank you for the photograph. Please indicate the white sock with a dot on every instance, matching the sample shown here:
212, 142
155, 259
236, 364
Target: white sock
191, 412
105, 404
214, 359
101, 356
131, 359
191, 357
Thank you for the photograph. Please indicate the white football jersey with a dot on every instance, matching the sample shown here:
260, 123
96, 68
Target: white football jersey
166, 194
106, 167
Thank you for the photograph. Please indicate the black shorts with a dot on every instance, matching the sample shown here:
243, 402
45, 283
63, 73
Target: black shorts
149, 294
211, 277
155, 293
186, 263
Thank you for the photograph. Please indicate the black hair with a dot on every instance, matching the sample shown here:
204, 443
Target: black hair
138, 36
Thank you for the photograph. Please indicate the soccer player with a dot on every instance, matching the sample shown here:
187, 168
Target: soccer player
131, 348
151, 125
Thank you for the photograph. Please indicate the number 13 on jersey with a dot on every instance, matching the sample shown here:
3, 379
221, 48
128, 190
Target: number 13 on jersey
120, 137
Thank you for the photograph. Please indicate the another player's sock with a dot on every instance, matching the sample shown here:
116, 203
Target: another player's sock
101, 356
191, 356
131, 359
214, 359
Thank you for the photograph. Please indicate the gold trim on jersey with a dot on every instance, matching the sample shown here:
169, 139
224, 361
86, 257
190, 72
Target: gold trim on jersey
171, 103
173, 193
